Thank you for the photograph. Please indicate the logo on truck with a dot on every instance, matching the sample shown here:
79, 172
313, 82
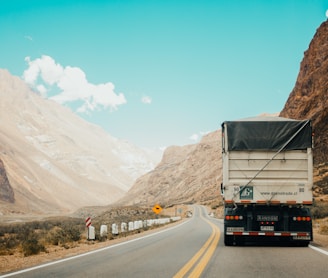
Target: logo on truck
246, 193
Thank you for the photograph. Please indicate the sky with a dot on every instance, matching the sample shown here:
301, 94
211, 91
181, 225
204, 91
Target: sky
159, 72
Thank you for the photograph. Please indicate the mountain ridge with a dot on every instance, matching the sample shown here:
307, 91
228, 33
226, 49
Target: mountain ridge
55, 161
309, 97
182, 176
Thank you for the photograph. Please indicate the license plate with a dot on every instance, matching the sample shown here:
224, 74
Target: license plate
267, 228
301, 237
235, 229
267, 218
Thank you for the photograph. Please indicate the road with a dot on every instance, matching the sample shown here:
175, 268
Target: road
191, 249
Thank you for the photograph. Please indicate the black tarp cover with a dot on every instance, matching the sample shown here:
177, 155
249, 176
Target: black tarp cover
268, 135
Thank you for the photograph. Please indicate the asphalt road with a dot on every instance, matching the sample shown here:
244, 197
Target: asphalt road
192, 249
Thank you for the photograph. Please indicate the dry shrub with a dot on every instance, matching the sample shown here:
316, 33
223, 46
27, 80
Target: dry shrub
323, 229
319, 210
32, 246
32, 237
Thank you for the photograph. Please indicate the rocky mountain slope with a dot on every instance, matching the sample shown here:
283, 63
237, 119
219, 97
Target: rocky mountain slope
193, 173
185, 174
6, 191
55, 161
309, 98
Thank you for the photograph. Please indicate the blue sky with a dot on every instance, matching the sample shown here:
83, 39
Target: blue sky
160, 73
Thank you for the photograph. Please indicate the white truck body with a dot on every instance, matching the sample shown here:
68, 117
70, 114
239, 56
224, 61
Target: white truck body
267, 180
286, 178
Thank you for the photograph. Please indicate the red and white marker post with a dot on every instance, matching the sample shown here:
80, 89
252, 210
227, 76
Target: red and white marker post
88, 224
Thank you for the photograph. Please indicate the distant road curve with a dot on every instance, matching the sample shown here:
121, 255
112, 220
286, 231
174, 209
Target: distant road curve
191, 249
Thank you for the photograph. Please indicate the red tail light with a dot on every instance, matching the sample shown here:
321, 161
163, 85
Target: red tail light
302, 218
234, 217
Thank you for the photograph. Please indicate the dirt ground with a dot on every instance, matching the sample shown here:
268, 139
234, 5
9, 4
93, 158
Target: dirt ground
320, 240
18, 261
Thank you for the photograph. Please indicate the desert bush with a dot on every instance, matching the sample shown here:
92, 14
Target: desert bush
323, 229
33, 236
8, 243
55, 236
11, 242
72, 233
32, 246
319, 210
63, 235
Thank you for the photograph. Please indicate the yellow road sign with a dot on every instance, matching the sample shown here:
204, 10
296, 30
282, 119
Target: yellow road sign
157, 209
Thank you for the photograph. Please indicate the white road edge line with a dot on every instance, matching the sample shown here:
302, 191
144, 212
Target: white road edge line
89, 253
318, 249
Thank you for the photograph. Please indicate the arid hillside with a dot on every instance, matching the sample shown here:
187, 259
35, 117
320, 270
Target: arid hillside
52, 161
309, 98
189, 173
6, 191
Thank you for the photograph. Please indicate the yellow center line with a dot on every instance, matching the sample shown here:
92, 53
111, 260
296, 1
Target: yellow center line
206, 251
198, 270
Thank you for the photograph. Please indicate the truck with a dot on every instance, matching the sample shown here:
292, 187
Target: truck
267, 180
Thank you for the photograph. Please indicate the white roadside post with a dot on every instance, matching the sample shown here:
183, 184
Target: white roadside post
91, 233
103, 231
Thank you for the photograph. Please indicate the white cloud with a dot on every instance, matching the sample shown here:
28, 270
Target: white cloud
28, 38
72, 84
162, 149
197, 136
31, 74
146, 100
42, 90
202, 133
194, 137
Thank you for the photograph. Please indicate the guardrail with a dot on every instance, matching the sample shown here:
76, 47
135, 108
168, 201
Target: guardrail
124, 227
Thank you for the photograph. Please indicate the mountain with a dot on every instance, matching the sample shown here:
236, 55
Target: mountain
6, 191
193, 173
189, 173
309, 98
54, 160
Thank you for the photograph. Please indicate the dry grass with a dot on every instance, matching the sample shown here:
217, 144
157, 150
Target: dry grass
320, 232
17, 260
18, 241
